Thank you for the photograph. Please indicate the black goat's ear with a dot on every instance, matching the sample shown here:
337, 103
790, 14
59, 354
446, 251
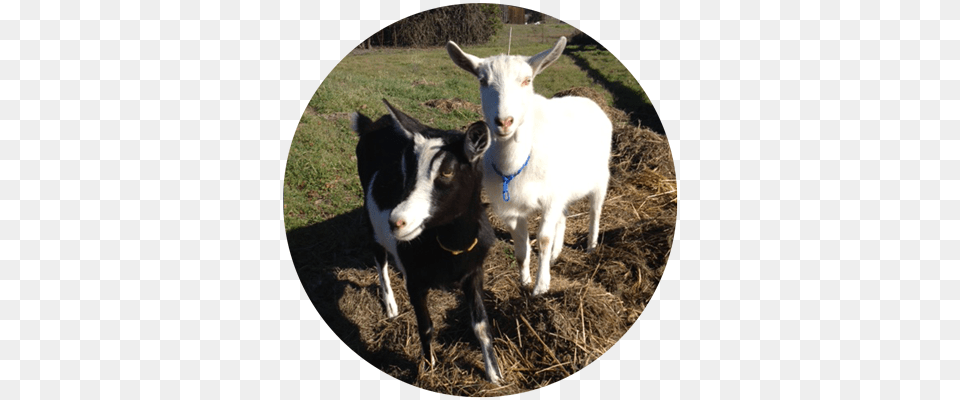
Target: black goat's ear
477, 141
403, 122
359, 123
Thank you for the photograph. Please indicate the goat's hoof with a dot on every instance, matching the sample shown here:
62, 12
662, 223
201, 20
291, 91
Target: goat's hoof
525, 281
591, 249
426, 364
540, 289
391, 311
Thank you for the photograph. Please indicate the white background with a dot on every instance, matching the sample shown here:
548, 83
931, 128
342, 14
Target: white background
142, 150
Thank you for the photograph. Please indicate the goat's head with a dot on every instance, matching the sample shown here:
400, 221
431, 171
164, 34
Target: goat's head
439, 173
506, 84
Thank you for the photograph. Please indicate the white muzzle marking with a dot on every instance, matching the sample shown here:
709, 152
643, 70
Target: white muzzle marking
418, 206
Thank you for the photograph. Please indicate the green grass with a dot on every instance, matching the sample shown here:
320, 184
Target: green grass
321, 179
606, 68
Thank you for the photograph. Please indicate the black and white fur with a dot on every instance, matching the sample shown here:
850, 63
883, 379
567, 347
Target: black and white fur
422, 198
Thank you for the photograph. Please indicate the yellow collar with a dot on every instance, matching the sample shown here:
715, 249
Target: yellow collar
457, 252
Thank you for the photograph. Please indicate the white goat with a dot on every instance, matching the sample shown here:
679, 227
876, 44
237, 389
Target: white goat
546, 153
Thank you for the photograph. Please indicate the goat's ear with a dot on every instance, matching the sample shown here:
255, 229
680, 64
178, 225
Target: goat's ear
403, 122
466, 61
541, 61
359, 123
477, 142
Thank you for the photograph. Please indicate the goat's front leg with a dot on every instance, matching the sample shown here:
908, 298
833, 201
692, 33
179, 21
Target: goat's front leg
548, 230
473, 291
521, 246
386, 291
418, 298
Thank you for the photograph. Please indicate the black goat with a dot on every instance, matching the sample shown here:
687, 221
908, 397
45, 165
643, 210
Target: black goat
422, 196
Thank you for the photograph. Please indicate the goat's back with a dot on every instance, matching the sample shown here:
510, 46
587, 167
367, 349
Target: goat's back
575, 119
573, 143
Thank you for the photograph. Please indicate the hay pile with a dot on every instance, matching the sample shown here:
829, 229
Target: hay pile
593, 299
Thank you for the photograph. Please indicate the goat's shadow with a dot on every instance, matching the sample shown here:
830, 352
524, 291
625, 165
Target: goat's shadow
343, 242
318, 251
624, 97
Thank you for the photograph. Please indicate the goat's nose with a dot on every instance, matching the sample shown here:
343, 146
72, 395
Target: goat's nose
505, 122
400, 223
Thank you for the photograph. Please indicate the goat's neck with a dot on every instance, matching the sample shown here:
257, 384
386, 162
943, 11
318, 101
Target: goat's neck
510, 154
460, 233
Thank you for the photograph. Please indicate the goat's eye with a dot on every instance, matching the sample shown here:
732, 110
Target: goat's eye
447, 173
526, 81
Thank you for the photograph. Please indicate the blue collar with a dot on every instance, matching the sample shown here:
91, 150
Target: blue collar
508, 178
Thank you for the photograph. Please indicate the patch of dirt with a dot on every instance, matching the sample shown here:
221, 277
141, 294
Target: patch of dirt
334, 116
422, 82
448, 105
594, 298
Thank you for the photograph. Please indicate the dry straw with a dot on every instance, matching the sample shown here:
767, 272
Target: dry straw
594, 298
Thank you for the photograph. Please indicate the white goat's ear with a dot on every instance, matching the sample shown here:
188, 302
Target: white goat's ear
477, 141
403, 122
466, 61
541, 61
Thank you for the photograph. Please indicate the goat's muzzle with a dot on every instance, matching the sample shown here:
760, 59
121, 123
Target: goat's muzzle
504, 127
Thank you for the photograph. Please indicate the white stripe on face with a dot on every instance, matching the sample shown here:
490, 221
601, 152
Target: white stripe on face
380, 219
417, 207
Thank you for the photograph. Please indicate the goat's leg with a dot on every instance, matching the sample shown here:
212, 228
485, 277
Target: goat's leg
473, 292
596, 204
558, 243
386, 291
418, 297
548, 229
521, 246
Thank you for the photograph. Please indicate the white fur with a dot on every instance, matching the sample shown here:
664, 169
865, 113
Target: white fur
481, 331
568, 140
386, 290
417, 207
380, 219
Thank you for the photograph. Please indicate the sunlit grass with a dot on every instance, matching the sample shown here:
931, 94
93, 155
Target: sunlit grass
321, 179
